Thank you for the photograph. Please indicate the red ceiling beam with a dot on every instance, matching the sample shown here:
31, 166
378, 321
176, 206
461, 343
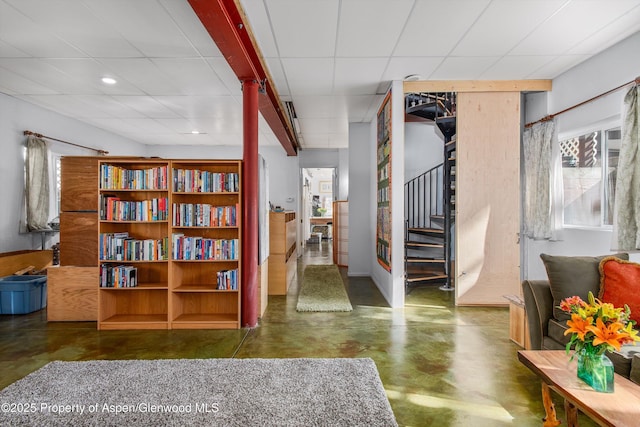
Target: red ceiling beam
227, 25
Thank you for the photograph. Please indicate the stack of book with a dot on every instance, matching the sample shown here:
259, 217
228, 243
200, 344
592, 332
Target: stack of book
201, 248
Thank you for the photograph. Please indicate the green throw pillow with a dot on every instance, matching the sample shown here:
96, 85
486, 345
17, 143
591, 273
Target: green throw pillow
573, 275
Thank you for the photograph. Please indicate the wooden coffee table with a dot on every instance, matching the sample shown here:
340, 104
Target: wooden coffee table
620, 408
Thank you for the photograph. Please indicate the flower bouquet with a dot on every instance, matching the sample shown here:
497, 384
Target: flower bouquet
597, 327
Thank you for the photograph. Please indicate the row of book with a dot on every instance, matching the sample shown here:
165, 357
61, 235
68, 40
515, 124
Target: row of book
204, 215
114, 209
118, 178
121, 247
201, 248
199, 181
118, 276
227, 280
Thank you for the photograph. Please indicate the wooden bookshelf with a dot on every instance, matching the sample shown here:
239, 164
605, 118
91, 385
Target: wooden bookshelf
282, 251
206, 207
142, 247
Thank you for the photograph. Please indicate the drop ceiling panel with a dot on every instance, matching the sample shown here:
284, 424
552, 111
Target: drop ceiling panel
225, 74
571, 25
358, 76
147, 106
69, 105
304, 28
148, 26
400, 67
150, 126
26, 35
317, 126
516, 67
193, 76
90, 71
9, 51
320, 107
143, 74
310, 76
260, 26
618, 30
463, 68
189, 23
428, 35
46, 74
22, 85
278, 76
557, 66
377, 34
109, 106
503, 24
359, 106
73, 22
226, 107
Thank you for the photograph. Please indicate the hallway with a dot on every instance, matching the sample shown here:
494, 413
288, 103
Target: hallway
441, 365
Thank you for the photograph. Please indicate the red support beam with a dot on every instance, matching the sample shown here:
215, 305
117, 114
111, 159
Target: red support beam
250, 184
227, 24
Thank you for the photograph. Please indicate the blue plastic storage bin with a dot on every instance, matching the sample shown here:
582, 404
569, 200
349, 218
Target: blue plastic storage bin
22, 294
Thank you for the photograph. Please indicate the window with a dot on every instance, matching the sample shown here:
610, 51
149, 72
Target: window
589, 163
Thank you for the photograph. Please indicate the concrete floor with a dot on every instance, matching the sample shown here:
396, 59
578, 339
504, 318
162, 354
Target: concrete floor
441, 365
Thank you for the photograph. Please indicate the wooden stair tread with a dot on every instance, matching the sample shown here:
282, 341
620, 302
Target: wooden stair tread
424, 245
425, 260
426, 230
423, 278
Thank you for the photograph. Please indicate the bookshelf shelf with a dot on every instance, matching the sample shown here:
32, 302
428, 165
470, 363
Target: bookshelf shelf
143, 218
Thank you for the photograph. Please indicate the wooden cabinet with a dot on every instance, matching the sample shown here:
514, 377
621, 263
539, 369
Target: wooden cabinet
282, 251
206, 234
78, 211
341, 233
72, 294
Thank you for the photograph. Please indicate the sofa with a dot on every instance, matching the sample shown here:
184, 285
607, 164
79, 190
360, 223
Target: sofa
547, 323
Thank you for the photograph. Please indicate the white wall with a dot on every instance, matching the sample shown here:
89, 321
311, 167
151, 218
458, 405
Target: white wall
361, 188
391, 284
282, 169
17, 116
423, 148
605, 71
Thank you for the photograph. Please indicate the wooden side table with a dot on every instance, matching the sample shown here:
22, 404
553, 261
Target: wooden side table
518, 324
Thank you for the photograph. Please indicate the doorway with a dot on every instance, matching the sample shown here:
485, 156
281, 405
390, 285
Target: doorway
318, 189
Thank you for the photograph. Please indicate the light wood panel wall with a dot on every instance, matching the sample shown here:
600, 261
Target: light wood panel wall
487, 197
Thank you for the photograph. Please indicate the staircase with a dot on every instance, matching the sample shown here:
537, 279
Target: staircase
430, 200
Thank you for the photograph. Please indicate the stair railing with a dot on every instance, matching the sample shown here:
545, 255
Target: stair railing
423, 198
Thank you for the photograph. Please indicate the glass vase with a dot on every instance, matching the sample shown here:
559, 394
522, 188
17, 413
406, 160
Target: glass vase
596, 370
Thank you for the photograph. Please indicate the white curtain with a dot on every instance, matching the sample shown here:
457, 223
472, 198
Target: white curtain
37, 184
626, 224
541, 192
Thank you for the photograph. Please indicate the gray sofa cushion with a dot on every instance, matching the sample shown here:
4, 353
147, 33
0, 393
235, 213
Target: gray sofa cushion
573, 275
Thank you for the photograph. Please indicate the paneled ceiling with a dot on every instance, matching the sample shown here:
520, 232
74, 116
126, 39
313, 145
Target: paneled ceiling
333, 59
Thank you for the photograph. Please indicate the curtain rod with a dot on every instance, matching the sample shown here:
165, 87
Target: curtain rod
551, 116
39, 135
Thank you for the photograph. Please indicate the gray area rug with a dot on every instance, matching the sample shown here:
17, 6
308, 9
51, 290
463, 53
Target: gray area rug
322, 289
199, 392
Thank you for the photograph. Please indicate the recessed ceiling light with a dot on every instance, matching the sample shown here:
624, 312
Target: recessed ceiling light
108, 80
195, 132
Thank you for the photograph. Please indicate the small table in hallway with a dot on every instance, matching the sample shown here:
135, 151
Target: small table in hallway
620, 408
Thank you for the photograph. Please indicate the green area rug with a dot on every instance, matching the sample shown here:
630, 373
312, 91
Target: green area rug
322, 289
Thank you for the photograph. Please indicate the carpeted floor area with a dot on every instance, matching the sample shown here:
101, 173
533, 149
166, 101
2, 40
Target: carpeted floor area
200, 392
322, 289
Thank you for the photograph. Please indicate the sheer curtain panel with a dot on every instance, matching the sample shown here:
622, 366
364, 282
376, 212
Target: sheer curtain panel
538, 180
626, 225
37, 184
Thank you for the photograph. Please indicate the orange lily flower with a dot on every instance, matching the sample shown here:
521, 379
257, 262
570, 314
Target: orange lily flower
578, 325
607, 334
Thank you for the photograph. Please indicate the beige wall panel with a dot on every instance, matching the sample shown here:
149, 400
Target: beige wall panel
487, 197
